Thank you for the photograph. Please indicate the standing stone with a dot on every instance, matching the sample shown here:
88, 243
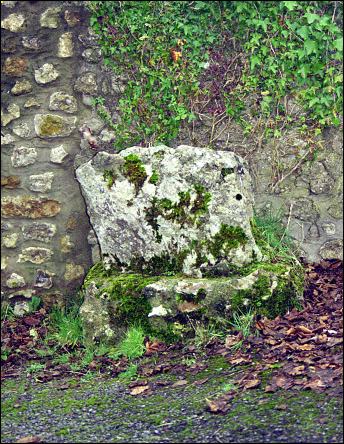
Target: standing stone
53, 125
41, 231
58, 154
29, 207
23, 156
36, 255
21, 87
41, 182
50, 18
65, 45
15, 66
13, 22
46, 74
60, 101
15, 281
13, 112
148, 205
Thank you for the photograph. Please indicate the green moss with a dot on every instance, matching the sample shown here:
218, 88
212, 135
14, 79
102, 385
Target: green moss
226, 239
226, 171
110, 177
51, 126
154, 179
134, 171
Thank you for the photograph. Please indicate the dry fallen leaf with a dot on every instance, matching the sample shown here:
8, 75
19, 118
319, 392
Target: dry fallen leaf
29, 439
252, 383
138, 390
217, 406
179, 383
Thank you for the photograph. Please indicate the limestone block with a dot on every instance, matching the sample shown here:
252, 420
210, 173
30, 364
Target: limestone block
13, 22
46, 74
24, 130
53, 125
21, 87
15, 281
43, 279
10, 240
13, 112
23, 156
332, 249
41, 182
50, 18
41, 231
73, 272
86, 83
60, 101
36, 255
31, 43
58, 154
15, 66
29, 207
65, 45
188, 206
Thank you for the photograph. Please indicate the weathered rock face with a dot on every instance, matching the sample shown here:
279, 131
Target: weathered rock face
185, 209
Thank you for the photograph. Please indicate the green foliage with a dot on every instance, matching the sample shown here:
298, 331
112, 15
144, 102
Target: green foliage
66, 326
129, 374
134, 170
242, 322
288, 54
295, 49
272, 236
162, 47
35, 367
132, 345
109, 177
34, 304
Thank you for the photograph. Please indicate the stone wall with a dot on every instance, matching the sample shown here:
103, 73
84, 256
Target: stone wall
51, 69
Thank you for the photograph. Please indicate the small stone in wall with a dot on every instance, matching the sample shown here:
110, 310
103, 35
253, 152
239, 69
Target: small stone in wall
35, 255
60, 101
41, 231
10, 240
107, 136
4, 263
73, 272
41, 182
332, 249
15, 66
86, 83
336, 210
92, 55
23, 156
15, 281
52, 125
7, 139
46, 74
8, 45
21, 308
21, 87
72, 18
65, 45
10, 182
50, 18
13, 22
29, 207
43, 279
23, 130
31, 43
32, 101
329, 228
13, 112
66, 244
306, 210
9, 3
88, 39
58, 154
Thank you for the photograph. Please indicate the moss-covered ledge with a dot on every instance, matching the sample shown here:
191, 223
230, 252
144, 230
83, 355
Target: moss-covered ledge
168, 307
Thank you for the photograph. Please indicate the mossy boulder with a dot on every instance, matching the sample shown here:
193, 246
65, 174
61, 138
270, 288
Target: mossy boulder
158, 209
170, 306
